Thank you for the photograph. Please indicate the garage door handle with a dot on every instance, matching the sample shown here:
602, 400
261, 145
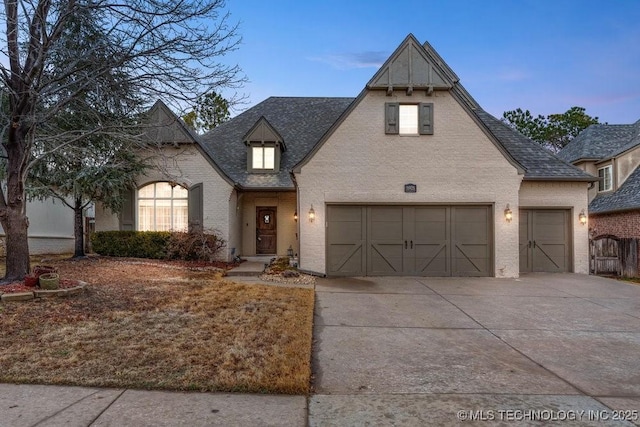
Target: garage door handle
534, 243
412, 244
529, 243
405, 244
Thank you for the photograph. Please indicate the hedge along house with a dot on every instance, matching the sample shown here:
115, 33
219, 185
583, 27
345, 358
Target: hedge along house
411, 177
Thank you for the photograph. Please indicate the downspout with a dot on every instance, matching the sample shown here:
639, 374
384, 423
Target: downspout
295, 184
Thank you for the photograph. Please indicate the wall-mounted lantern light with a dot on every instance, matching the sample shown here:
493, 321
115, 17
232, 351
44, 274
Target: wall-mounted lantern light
295, 216
582, 217
312, 214
508, 215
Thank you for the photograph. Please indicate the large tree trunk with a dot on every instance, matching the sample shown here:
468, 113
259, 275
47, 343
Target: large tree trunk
13, 207
78, 228
15, 225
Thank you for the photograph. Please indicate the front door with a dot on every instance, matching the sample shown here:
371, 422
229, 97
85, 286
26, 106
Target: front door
266, 231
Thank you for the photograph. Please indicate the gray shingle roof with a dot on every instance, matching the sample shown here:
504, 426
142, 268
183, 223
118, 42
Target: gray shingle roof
601, 142
303, 121
300, 121
538, 162
626, 197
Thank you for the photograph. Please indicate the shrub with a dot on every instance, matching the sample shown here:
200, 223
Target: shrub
199, 245
135, 244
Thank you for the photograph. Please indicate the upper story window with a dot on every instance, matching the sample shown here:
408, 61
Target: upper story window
163, 206
263, 157
408, 119
605, 175
264, 148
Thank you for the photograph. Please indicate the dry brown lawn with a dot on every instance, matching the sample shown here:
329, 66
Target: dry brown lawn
154, 327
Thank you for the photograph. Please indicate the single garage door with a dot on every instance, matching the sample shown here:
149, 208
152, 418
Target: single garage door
409, 240
545, 240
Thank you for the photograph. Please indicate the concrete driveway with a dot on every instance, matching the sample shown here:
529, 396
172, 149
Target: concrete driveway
423, 351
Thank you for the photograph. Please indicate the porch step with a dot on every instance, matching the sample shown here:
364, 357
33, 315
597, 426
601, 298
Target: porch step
265, 259
247, 268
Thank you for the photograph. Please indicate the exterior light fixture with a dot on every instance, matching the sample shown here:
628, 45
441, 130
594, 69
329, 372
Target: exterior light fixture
508, 215
582, 217
312, 214
295, 216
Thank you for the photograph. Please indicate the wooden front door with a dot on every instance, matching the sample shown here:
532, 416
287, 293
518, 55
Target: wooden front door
266, 230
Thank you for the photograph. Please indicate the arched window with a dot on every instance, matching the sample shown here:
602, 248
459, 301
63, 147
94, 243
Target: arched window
163, 207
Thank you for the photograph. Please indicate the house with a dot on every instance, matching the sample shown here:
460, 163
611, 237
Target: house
612, 153
50, 228
411, 177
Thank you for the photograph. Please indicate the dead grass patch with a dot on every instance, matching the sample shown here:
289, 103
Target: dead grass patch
145, 326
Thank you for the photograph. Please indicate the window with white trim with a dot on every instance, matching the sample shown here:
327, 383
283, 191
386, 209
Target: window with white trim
605, 176
163, 206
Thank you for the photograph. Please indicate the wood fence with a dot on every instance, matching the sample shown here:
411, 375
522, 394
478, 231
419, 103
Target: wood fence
614, 256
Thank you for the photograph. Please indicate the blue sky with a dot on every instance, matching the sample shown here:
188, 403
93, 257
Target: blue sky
545, 56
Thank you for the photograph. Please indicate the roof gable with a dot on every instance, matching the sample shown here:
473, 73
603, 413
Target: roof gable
263, 131
165, 127
413, 66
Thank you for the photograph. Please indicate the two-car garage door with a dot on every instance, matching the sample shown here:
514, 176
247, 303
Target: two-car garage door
409, 240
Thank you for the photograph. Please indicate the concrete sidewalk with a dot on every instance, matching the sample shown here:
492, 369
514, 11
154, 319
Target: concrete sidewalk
53, 406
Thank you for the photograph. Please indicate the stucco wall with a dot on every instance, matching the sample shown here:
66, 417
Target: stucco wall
285, 202
360, 164
50, 227
627, 164
187, 166
590, 167
568, 195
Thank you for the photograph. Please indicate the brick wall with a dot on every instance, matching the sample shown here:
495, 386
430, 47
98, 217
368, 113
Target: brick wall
621, 224
359, 163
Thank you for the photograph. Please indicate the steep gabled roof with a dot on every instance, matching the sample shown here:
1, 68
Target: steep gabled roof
627, 197
300, 121
412, 66
306, 123
601, 142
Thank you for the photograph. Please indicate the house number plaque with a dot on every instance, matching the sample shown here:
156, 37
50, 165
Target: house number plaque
410, 188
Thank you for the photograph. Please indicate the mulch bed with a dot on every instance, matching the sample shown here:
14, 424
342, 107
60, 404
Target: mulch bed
17, 287
69, 264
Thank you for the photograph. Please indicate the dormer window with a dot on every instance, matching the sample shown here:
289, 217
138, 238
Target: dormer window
605, 176
263, 156
264, 148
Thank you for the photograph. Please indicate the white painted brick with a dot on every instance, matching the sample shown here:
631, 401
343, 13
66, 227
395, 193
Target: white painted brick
457, 164
569, 195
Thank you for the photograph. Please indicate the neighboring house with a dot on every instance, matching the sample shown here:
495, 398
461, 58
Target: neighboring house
50, 228
612, 153
411, 177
